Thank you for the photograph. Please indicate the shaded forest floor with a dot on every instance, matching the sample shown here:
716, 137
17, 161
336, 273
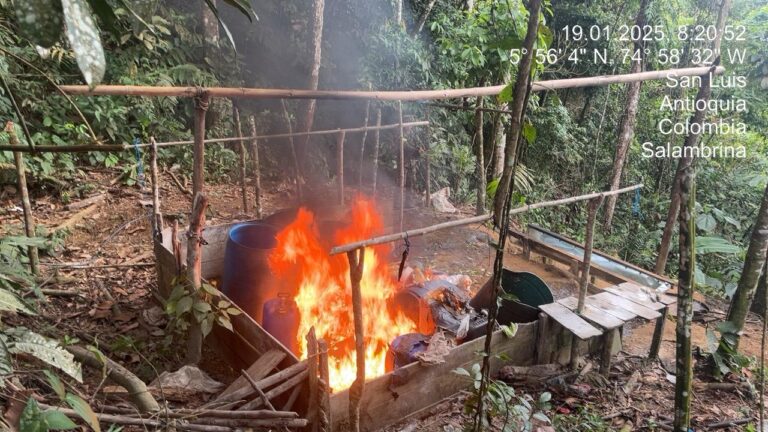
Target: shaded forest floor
115, 309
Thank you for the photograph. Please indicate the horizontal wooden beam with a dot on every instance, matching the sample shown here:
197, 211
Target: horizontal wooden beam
473, 220
124, 147
409, 95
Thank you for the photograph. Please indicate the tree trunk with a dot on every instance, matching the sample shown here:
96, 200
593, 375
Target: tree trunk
750, 275
503, 200
627, 126
314, 80
424, 16
29, 219
759, 303
479, 159
498, 149
686, 284
210, 24
517, 107
674, 204
685, 288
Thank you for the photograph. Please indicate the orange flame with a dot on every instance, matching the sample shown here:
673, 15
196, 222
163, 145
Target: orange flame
320, 282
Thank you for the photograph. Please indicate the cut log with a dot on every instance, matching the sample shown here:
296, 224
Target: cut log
86, 202
77, 217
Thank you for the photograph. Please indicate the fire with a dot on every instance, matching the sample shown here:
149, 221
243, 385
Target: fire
321, 288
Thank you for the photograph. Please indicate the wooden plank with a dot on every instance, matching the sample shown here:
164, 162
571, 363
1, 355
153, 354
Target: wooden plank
392, 397
258, 370
638, 294
654, 295
574, 323
621, 302
610, 308
593, 314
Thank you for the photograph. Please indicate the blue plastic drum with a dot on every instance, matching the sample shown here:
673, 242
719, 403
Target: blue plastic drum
247, 280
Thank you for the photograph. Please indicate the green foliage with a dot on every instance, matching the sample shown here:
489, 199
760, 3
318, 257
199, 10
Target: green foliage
725, 358
584, 419
33, 418
507, 410
205, 306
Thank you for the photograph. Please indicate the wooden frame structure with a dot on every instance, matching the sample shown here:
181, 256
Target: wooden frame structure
248, 332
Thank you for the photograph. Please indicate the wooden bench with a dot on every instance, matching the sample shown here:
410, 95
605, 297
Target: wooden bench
606, 313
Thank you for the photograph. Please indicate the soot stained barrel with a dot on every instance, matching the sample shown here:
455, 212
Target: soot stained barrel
247, 279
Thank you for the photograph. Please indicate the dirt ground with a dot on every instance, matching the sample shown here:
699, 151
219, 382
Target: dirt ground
109, 306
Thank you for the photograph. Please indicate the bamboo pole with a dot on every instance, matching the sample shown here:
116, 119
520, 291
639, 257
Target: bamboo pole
362, 144
472, 220
256, 167
125, 147
401, 164
407, 95
376, 136
198, 152
157, 215
427, 161
468, 108
340, 164
194, 272
26, 205
241, 153
356, 259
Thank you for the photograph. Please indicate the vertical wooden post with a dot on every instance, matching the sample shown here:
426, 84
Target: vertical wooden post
176, 244
256, 167
194, 272
241, 152
340, 167
26, 205
157, 215
362, 144
324, 414
479, 159
376, 135
401, 162
658, 334
605, 356
296, 164
313, 366
198, 152
592, 207
427, 161
356, 262
543, 340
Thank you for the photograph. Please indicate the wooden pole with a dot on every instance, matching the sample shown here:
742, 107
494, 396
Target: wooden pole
256, 167
472, 220
376, 136
120, 147
324, 412
586, 264
592, 207
362, 144
407, 95
356, 262
313, 367
157, 215
658, 334
194, 272
340, 164
401, 164
198, 152
428, 162
26, 205
479, 160
296, 166
241, 152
